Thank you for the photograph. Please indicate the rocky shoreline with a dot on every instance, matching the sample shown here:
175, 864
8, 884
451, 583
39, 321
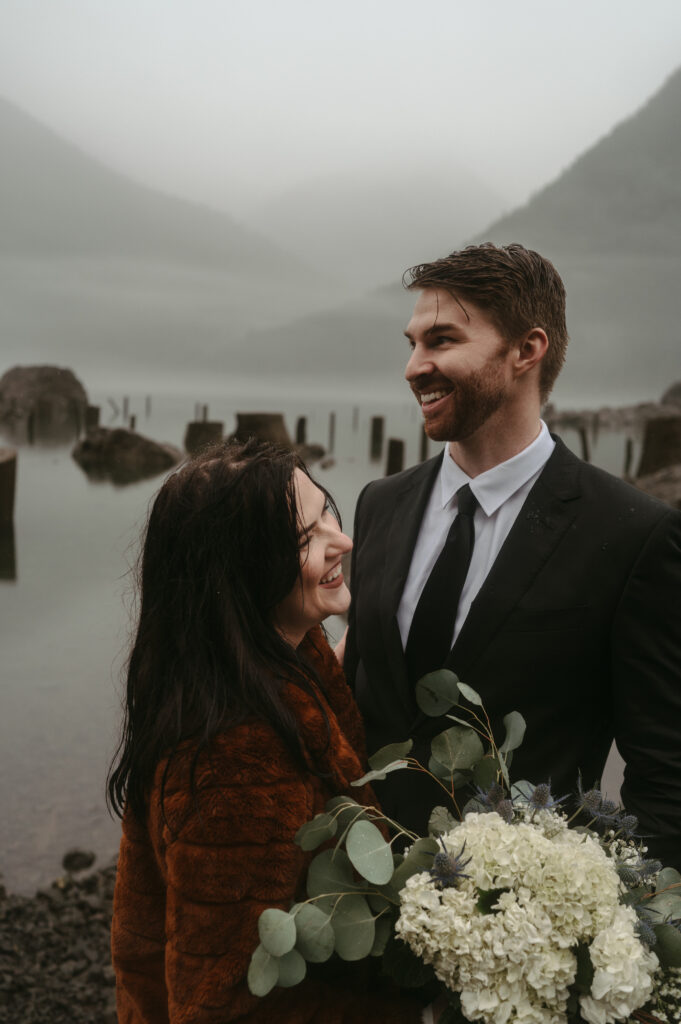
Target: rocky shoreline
55, 959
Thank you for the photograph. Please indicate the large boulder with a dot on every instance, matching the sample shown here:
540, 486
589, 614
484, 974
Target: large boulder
42, 403
122, 456
672, 395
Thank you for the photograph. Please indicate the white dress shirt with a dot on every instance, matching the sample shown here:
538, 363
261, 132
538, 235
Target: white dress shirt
500, 493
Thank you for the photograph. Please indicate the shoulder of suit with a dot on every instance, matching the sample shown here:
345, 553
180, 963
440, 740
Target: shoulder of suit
388, 486
615, 495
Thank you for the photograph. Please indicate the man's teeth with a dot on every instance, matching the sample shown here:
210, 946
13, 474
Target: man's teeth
333, 575
433, 396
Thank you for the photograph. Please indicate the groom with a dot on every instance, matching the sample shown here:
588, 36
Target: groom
546, 584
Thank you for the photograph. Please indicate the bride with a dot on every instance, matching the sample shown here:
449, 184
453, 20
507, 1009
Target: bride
238, 728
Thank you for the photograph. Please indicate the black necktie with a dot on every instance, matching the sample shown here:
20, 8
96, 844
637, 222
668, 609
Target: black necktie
432, 628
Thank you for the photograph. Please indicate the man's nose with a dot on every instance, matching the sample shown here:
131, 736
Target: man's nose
418, 365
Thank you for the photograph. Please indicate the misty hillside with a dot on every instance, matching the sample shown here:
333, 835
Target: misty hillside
106, 275
365, 227
611, 223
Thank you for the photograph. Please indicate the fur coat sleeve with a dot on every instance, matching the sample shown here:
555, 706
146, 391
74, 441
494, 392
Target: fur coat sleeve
193, 879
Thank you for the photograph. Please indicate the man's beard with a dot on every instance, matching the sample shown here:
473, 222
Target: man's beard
472, 401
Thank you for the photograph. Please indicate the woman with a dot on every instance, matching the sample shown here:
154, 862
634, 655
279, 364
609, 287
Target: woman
239, 727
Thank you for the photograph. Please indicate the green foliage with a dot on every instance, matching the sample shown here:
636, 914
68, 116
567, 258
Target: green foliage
346, 812
263, 972
330, 872
277, 931
384, 929
487, 900
440, 821
437, 692
668, 877
387, 755
404, 967
471, 695
314, 935
485, 771
419, 858
668, 946
380, 773
457, 748
369, 853
313, 833
292, 969
515, 731
354, 928
585, 969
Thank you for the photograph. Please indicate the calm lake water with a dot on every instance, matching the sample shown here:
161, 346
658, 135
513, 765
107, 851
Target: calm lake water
65, 619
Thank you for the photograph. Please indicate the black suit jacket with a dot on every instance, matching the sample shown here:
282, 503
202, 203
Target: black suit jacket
577, 626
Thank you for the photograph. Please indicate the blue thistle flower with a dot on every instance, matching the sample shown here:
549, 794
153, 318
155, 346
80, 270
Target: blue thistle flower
627, 823
645, 932
591, 799
505, 810
601, 810
541, 799
447, 869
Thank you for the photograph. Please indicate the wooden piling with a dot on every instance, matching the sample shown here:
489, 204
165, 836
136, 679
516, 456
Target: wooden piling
8, 480
201, 433
661, 444
147, 406
628, 457
376, 442
92, 417
204, 414
301, 430
423, 447
132, 422
584, 442
8, 553
395, 461
332, 432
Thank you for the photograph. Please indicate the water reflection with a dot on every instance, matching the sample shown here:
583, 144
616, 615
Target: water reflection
8, 553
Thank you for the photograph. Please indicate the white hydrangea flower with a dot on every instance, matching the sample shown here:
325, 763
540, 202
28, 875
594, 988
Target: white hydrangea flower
517, 963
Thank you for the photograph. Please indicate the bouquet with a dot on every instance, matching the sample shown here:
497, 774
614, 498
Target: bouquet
515, 910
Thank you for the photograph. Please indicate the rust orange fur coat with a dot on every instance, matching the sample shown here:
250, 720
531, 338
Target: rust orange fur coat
189, 891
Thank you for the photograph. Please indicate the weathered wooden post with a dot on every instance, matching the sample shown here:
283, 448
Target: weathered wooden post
8, 553
628, 457
584, 442
200, 433
423, 448
91, 417
133, 422
8, 480
301, 430
395, 461
266, 426
376, 443
147, 406
661, 444
332, 432
126, 408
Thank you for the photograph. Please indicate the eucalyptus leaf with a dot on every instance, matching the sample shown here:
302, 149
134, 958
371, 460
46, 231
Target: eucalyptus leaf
461, 721
383, 930
263, 972
665, 904
667, 877
330, 872
380, 774
292, 969
369, 853
457, 748
438, 770
313, 833
419, 858
386, 755
437, 692
485, 772
667, 949
440, 821
314, 935
354, 928
277, 931
515, 731
522, 791
346, 811
471, 695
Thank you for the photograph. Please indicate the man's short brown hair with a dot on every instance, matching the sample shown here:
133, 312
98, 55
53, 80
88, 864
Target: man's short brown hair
516, 287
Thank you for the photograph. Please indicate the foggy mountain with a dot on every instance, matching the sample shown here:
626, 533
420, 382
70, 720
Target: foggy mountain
105, 274
612, 224
365, 227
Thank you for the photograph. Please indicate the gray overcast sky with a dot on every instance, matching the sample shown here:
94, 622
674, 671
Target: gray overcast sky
232, 101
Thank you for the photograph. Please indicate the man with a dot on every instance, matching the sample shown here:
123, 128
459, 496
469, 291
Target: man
570, 604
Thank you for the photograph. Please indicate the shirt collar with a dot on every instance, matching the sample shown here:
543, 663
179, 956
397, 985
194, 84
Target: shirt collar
496, 485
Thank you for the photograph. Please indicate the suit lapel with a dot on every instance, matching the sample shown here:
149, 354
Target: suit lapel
408, 510
548, 511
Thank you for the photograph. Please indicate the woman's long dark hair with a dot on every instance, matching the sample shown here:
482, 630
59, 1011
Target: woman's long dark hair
221, 552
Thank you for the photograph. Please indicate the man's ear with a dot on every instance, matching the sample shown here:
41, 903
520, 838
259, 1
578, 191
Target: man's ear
531, 349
